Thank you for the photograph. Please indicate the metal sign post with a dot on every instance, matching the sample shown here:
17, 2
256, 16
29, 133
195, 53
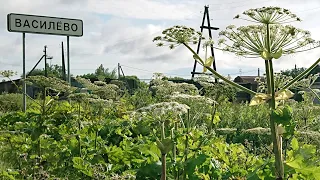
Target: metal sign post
68, 60
24, 86
42, 25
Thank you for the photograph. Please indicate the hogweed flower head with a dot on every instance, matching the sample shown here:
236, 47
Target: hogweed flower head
307, 82
178, 35
179, 97
79, 97
100, 88
208, 43
269, 15
7, 73
99, 101
257, 130
269, 39
100, 83
251, 41
87, 83
165, 107
52, 83
165, 87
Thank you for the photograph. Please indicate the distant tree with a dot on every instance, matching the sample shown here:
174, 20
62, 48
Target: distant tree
133, 82
52, 70
296, 71
101, 73
293, 72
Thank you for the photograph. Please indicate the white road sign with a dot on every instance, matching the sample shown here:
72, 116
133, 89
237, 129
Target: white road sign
44, 25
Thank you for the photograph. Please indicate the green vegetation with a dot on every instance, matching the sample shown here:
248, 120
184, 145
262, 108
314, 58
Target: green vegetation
53, 70
269, 38
101, 73
168, 130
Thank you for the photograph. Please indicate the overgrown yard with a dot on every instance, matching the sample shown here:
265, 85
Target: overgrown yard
110, 134
172, 130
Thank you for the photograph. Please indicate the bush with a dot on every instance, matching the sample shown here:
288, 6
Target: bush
10, 102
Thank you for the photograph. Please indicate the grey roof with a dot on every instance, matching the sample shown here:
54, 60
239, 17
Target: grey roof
247, 79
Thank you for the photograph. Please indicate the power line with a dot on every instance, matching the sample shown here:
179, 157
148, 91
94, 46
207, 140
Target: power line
306, 10
180, 74
231, 2
143, 35
119, 42
152, 71
220, 9
243, 72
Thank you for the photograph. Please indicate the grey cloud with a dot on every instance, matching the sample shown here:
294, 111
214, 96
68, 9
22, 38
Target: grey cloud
12, 63
160, 58
119, 39
71, 2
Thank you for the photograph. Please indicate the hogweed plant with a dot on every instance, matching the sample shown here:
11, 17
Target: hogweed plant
200, 106
160, 112
269, 38
100, 88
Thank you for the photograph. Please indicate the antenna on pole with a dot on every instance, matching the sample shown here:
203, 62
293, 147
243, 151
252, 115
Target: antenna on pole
118, 70
205, 16
45, 61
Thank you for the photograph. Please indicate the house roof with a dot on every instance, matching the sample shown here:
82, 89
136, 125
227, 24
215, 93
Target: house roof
247, 79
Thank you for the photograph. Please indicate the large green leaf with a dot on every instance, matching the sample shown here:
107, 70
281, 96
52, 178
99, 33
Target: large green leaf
282, 115
294, 144
192, 163
149, 171
82, 166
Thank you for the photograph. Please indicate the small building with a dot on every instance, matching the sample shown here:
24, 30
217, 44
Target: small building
248, 82
8, 86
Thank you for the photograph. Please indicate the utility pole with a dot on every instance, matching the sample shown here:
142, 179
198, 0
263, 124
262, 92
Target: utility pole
118, 70
34, 67
68, 60
124, 78
205, 16
45, 61
63, 63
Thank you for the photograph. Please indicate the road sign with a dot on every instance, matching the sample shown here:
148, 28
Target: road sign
25, 23
44, 25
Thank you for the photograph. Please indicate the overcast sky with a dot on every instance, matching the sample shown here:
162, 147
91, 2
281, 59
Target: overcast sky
121, 31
